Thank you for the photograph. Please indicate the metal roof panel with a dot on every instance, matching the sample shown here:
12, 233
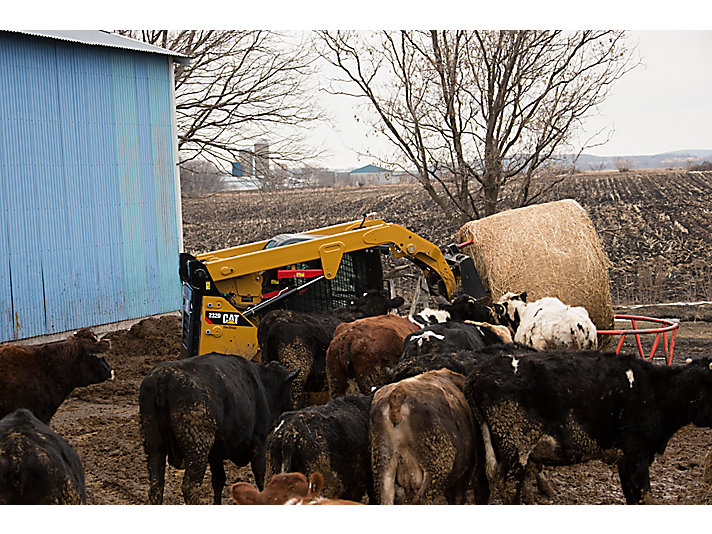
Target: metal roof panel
104, 38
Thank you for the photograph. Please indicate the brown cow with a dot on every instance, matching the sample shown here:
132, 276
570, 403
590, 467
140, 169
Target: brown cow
41, 377
423, 440
362, 352
285, 488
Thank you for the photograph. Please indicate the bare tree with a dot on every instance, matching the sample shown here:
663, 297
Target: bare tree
239, 88
200, 176
472, 111
623, 164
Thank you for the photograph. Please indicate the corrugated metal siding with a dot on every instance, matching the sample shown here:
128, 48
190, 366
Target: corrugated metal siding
87, 191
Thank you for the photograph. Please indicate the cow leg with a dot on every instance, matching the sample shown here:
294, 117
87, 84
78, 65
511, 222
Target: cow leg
513, 483
259, 466
635, 481
384, 464
217, 472
192, 478
156, 476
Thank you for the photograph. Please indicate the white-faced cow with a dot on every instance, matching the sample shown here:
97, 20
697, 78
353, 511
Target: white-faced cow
206, 409
299, 340
422, 440
569, 407
41, 377
36, 465
331, 439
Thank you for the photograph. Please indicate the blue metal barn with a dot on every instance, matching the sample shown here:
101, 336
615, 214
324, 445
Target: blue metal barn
90, 217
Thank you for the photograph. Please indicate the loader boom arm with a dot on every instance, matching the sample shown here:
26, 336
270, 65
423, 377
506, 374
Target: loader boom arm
335, 241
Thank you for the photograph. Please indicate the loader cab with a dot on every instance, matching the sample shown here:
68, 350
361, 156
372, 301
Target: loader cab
358, 272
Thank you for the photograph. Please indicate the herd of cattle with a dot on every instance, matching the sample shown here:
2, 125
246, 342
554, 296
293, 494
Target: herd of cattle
467, 397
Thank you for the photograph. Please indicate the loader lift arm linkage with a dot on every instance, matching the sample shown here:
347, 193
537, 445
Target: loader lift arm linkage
229, 281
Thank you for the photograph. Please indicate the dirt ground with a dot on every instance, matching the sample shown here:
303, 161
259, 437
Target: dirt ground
101, 423
654, 226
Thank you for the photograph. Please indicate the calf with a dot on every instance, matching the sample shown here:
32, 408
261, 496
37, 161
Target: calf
285, 488
454, 336
564, 408
362, 352
331, 439
41, 377
547, 324
205, 409
422, 439
299, 340
36, 465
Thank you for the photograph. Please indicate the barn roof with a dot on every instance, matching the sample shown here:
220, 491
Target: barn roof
369, 169
104, 38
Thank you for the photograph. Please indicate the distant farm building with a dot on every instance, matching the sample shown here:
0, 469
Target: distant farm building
89, 186
372, 175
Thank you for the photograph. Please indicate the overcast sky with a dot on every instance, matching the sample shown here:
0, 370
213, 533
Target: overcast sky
665, 104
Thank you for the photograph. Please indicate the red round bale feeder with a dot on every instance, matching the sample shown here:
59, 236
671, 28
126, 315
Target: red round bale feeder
662, 331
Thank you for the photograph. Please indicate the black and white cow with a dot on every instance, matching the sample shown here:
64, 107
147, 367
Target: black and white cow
569, 407
546, 324
36, 465
453, 336
206, 409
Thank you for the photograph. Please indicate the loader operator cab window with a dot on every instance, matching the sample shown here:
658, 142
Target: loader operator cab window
358, 272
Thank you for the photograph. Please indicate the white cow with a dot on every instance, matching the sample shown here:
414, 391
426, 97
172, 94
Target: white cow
547, 323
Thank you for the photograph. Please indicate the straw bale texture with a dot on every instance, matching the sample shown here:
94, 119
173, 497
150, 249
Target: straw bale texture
547, 250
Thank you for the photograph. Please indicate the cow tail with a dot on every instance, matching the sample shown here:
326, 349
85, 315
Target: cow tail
396, 399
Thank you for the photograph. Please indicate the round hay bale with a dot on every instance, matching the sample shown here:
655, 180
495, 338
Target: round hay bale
547, 250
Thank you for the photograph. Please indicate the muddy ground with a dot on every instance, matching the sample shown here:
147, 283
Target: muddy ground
101, 423
654, 226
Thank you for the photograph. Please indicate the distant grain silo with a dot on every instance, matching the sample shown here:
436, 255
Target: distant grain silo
247, 161
262, 159
90, 214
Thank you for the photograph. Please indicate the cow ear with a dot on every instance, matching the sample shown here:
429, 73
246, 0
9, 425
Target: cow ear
291, 376
499, 311
396, 302
244, 493
316, 482
523, 296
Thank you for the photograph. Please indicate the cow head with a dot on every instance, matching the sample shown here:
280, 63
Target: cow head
509, 309
697, 377
280, 489
277, 380
375, 302
467, 308
92, 369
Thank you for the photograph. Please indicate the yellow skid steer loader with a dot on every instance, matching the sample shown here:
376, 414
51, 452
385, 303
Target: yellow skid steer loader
226, 291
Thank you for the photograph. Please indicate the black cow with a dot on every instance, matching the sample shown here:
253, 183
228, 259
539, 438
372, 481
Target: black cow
460, 361
331, 439
36, 465
299, 340
205, 409
41, 377
569, 407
